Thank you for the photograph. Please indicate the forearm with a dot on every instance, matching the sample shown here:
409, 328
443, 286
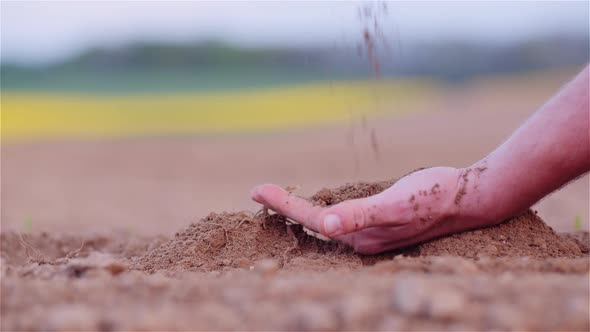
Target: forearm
550, 149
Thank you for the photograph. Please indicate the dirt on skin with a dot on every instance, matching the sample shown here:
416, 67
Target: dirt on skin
252, 271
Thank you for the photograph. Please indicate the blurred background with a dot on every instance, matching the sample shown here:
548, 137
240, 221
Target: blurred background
145, 116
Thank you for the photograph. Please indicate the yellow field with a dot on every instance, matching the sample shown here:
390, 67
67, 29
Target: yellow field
43, 115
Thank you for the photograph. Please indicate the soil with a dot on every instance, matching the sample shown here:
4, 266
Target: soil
252, 271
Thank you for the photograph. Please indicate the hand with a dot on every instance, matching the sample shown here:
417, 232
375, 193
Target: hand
420, 206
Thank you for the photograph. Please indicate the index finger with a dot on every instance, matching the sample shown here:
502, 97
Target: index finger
292, 207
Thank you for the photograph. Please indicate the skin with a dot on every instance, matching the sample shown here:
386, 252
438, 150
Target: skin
550, 149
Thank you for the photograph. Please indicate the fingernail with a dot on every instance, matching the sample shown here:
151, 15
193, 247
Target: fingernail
332, 224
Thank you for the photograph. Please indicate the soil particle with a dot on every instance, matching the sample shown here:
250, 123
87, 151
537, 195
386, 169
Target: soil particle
435, 189
463, 186
327, 197
480, 169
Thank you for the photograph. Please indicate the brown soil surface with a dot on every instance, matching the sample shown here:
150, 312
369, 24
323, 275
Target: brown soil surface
247, 271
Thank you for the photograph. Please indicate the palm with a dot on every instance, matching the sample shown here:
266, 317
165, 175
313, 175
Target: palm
410, 211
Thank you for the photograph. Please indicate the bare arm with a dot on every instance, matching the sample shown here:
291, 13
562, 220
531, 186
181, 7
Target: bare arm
551, 148
548, 150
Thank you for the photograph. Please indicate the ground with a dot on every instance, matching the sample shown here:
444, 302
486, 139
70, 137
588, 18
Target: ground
87, 225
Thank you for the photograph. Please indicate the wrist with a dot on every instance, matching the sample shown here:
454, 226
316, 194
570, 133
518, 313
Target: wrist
470, 206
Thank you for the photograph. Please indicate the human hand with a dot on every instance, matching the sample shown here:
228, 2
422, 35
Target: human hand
418, 207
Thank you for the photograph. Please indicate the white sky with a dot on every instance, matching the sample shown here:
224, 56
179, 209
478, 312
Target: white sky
45, 31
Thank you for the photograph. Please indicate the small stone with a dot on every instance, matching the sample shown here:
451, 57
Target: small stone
266, 267
506, 277
489, 250
226, 262
313, 317
242, 263
72, 317
115, 267
447, 304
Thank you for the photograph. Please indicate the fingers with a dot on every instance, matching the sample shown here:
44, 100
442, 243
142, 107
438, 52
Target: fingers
344, 218
352, 216
374, 240
293, 207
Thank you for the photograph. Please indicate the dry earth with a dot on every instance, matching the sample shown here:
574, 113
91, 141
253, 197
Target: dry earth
253, 271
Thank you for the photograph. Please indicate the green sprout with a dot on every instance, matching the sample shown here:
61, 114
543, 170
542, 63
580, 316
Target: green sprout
28, 225
578, 223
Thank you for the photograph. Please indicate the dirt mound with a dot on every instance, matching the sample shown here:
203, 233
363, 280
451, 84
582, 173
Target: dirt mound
241, 240
581, 238
523, 235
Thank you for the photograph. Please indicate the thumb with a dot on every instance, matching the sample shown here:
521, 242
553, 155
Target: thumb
350, 216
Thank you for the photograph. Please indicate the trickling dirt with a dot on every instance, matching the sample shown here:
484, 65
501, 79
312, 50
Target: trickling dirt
370, 16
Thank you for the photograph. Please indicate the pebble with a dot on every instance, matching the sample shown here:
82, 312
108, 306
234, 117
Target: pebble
243, 263
72, 317
447, 303
409, 297
488, 250
453, 264
266, 267
313, 317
